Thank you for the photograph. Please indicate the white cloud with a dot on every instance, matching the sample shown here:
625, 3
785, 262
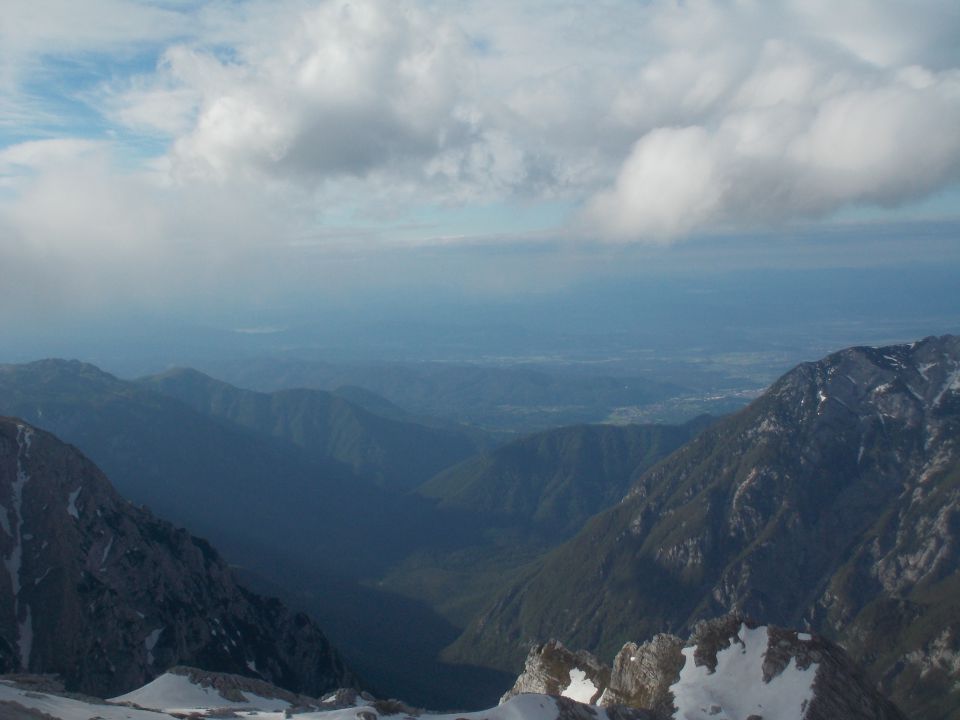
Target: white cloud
33, 29
784, 157
670, 184
799, 123
42, 154
354, 87
426, 102
658, 120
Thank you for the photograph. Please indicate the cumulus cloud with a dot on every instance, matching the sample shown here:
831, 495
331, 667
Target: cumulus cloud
885, 144
660, 119
772, 128
262, 123
353, 87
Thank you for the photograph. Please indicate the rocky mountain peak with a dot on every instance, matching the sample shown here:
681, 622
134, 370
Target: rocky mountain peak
107, 596
911, 384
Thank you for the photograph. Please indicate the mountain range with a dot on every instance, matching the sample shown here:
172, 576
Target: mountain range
398, 453
511, 398
235, 465
299, 524
829, 503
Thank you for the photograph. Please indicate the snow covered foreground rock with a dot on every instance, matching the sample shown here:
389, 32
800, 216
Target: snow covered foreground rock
191, 693
729, 669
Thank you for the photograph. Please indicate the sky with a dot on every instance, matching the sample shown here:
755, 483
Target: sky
175, 154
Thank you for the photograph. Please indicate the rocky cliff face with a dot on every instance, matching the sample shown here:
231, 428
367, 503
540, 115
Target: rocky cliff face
552, 669
832, 502
642, 674
107, 596
728, 668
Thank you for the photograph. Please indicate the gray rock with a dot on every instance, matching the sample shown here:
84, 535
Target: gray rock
106, 596
548, 667
642, 674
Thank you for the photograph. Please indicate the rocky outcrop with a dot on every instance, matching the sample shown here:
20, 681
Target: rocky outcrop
107, 596
552, 669
728, 668
828, 684
642, 674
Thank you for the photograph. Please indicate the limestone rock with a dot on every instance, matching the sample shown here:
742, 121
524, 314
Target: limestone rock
642, 674
729, 667
552, 669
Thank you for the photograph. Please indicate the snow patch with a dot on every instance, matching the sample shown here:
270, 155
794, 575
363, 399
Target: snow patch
69, 709
26, 639
804, 637
72, 504
951, 384
736, 689
749, 482
895, 361
14, 561
150, 642
913, 393
580, 688
177, 694
15, 519
519, 707
106, 552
